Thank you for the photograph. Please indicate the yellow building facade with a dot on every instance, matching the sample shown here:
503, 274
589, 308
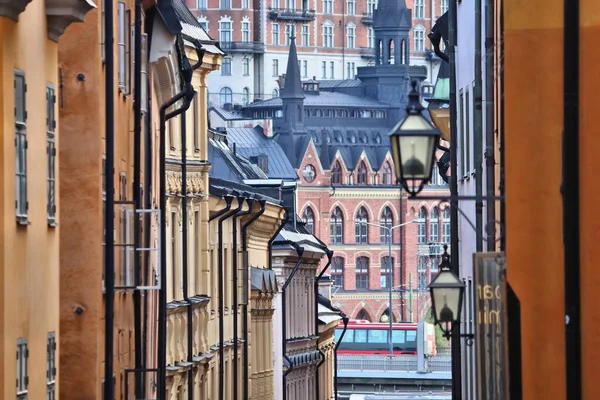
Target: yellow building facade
31, 209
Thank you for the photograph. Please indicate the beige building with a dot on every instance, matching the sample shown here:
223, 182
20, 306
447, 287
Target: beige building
31, 216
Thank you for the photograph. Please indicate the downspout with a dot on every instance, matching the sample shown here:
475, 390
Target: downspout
235, 257
184, 226
316, 295
226, 215
109, 253
490, 161
284, 221
478, 131
456, 341
148, 157
162, 300
570, 193
299, 251
335, 352
137, 199
245, 227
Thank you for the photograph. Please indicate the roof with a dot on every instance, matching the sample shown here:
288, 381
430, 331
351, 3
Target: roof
263, 280
300, 235
326, 315
331, 99
339, 83
252, 142
223, 187
228, 115
230, 166
191, 28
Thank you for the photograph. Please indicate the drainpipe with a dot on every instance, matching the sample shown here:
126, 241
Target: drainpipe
299, 251
478, 131
570, 195
284, 221
316, 294
245, 227
335, 374
162, 298
235, 294
490, 161
137, 199
109, 253
230, 213
184, 231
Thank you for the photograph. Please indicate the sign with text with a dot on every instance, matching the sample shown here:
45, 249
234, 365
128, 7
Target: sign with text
490, 329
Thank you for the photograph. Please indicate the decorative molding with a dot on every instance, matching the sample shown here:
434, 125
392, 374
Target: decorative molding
12, 8
61, 13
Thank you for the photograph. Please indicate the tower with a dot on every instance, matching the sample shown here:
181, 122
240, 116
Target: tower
290, 123
391, 23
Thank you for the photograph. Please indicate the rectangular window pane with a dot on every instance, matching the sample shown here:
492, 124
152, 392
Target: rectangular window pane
360, 336
398, 337
51, 153
378, 336
20, 147
121, 42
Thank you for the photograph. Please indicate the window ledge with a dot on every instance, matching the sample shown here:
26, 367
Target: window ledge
12, 8
61, 13
23, 221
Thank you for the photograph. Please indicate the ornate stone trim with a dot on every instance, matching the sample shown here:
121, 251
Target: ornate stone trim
61, 13
12, 8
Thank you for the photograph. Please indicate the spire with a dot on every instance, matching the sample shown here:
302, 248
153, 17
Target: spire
392, 14
292, 88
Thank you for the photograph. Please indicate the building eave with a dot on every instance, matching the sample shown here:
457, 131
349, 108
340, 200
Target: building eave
62, 13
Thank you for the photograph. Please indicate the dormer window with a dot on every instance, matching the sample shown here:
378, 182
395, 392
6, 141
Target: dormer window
263, 163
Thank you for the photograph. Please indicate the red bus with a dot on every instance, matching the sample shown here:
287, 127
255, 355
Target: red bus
364, 337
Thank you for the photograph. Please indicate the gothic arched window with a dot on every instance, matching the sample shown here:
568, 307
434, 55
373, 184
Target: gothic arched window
336, 174
336, 227
386, 222
421, 228
362, 273
387, 174
309, 219
361, 175
361, 227
434, 227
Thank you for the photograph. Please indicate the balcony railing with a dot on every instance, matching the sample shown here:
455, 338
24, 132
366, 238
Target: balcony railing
367, 18
383, 363
243, 47
291, 14
367, 52
430, 249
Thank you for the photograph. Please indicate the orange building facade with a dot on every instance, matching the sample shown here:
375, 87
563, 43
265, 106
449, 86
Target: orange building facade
537, 269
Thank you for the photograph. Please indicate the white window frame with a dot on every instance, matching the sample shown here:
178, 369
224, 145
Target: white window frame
350, 7
290, 29
51, 366
331, 69
422, 226
122, 40
443, 6
226, 71
144, 86
371, 6
22, 369
323, 69
434, 225
245, 4
275, 67
225, 4
328, 32
275, 34
351, 36
223, 93
419, 9
21, 202
446, 225
327, 6
370, 37
419, 38
51, 153
245, 96
201, 4
246, 31
225, 30
304, 68
305, 35
246, 66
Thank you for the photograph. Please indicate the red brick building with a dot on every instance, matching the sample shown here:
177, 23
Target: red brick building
334, 38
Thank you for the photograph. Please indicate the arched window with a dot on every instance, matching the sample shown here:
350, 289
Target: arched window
362, 314
275, 93
336, 227
387, 174
386, 267
434, 226
421, 228
225, 96
362, 273
386, 221
309, 219
361, 175
361, 227
336, 174
337, 271
245, 96
446, 225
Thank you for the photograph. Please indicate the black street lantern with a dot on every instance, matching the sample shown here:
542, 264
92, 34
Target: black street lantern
446, 296
414, 141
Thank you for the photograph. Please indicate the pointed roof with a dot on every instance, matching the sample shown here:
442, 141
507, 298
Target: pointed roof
292, 88
392, 14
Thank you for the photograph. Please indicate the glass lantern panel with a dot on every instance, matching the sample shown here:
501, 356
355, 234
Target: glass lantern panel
415, 123
416, 153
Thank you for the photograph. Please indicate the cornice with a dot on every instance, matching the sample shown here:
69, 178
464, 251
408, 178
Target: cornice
61, 13
194, 182
12, 8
